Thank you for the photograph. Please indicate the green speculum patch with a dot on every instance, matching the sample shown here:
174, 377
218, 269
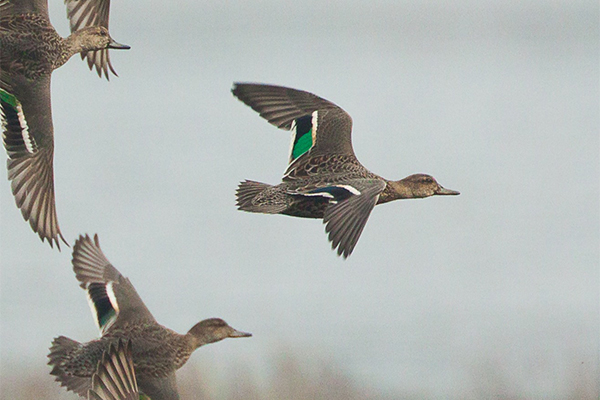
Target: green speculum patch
302, 145
105, 318
8, 98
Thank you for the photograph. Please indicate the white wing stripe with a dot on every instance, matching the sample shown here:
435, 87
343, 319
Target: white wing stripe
349, 188
315, 118
27, 139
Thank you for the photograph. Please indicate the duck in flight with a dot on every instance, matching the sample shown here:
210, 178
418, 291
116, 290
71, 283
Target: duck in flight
121, 315
30, 50
324, 179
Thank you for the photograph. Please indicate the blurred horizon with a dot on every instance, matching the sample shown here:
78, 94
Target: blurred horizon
292, 376
498, 100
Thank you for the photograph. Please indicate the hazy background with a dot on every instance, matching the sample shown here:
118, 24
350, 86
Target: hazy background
490, 294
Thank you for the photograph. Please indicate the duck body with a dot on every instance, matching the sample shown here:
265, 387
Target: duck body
304, 192
156, 351
324, 179
30, 49
122, 317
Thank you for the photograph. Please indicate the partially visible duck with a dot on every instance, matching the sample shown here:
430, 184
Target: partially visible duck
324, 179
86, 13
30, 49
120, 314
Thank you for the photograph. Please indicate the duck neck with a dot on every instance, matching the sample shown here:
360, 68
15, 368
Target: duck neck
194, 341
197, 339
70, 46
77, 42
395, 190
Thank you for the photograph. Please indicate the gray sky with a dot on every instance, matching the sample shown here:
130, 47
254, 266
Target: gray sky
498, 100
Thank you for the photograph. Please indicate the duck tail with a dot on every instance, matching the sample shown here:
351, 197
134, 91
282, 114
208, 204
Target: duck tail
60, 351
246, 192
61, 348
257, 197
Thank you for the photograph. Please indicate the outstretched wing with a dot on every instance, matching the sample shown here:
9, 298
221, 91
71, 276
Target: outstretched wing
86, 13
113, 299
28, 137
115, 376
318, 126
350, 207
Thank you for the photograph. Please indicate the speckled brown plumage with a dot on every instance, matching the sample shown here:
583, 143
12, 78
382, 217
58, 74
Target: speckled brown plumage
324, 179
30, 49
121, 315
30, 46
169, 349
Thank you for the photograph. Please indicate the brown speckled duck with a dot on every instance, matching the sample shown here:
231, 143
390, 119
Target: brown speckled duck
324, 179
121, 314
30, 49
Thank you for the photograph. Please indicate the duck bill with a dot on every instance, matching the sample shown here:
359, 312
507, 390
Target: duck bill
237, 333
119, 46
446, 192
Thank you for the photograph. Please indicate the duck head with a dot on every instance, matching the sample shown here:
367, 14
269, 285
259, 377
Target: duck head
415, 186
213, 330
95, 38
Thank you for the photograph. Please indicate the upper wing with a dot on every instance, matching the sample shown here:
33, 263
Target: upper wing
113, 299
318, 126
347, 216
115, 376
27, 133
85, 13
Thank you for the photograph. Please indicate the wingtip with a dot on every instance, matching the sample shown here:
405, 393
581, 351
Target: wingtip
103, 68
81, 241
52, 240
235, 88
238, 87
85, 240
63, 239
341, 251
